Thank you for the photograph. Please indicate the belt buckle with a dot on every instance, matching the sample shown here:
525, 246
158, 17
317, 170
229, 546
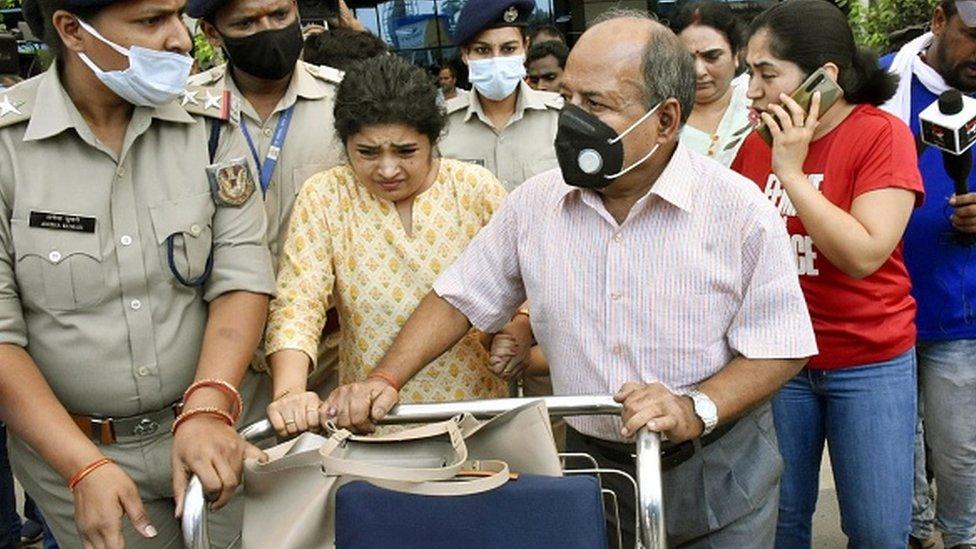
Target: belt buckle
95, 433
145, 427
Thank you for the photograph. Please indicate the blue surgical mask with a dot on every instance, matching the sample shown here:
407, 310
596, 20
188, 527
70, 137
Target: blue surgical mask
153, 78
497, 77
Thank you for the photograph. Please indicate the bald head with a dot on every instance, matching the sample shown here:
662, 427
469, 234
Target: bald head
640, 52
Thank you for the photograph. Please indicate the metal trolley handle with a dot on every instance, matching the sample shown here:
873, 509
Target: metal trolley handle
195, 534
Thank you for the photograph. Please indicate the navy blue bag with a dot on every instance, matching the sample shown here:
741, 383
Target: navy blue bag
529, 512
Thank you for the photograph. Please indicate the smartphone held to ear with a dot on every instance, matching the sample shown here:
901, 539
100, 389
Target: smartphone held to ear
819, 81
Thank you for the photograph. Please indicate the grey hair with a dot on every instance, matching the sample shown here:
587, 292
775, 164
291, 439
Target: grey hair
667, 66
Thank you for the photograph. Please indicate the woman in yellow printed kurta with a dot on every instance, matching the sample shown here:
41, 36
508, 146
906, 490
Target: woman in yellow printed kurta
370, 238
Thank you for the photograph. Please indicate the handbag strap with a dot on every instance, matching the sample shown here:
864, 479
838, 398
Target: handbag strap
334, 465
499, 475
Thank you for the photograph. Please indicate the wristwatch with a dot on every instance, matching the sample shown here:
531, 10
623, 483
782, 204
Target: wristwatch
705, 409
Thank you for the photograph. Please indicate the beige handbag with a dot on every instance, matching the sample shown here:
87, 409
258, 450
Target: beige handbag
289, 501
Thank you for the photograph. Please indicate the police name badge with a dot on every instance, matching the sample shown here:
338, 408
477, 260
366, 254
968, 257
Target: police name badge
231, 183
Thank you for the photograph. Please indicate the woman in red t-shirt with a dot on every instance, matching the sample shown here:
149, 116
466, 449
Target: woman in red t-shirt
846, 182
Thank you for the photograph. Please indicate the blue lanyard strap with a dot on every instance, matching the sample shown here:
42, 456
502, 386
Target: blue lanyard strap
267, 167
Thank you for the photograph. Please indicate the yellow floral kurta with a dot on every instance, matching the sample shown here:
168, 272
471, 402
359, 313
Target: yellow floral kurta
348, 248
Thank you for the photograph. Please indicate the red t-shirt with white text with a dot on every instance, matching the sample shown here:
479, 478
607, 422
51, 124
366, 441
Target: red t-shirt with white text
856, 321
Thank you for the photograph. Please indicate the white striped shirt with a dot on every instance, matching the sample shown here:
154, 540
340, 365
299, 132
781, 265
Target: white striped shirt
699, 272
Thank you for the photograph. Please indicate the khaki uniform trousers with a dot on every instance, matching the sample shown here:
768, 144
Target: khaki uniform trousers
147, 460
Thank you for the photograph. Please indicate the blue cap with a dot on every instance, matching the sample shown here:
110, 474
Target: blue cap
88, 3
198, 9
479, 15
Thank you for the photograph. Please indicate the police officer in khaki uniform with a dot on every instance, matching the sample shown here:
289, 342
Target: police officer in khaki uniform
285, 114
133, 265
503, 124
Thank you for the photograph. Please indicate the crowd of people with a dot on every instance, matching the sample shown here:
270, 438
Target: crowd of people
318, 230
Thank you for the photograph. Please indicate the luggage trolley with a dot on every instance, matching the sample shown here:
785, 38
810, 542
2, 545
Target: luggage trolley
650, 507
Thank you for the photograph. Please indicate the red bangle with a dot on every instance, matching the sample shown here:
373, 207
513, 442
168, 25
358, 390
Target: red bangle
210, 411
223, 387
87, 470
385, 377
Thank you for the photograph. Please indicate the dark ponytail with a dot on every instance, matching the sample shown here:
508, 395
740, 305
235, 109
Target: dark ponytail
867, 82
811, 33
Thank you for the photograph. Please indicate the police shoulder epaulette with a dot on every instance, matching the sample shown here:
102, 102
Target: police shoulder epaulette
461, 102
212, 101
553, 100
208, 77
17, 102
324, 72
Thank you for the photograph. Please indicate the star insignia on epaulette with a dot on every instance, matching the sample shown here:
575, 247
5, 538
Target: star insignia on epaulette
511, 14
189, 98
212, 101
6, 107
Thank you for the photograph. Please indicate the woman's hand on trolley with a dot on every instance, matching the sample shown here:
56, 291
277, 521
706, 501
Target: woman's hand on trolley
293, 413
359, 405
102, 498
212, 450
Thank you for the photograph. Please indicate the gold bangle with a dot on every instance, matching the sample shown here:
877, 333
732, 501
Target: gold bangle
209, 410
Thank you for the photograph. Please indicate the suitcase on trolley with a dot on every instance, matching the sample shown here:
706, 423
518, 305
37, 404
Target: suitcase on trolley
526, 513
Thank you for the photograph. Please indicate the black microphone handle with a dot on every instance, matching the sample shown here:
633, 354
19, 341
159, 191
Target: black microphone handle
961, 186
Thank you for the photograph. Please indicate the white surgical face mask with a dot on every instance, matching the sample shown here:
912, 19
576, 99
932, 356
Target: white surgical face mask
497, 77
153, 78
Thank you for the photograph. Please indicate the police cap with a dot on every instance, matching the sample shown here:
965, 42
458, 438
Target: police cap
479, 15
199, 9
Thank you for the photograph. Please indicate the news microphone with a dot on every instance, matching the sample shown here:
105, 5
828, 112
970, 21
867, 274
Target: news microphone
949, 124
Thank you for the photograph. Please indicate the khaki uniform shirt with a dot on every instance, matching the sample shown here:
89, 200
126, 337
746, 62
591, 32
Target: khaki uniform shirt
85, 281
520, 150
310, 147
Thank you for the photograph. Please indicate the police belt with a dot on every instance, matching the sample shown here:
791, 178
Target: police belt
108, 430
672, 455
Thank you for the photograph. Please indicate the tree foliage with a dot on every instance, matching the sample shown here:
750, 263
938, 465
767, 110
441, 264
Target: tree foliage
875, 23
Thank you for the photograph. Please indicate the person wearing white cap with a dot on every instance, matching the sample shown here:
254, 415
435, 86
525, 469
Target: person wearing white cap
942, 283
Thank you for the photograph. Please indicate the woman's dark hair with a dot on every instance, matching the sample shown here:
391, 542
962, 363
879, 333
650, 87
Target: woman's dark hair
387, 90
710, 14
811, 33
341, 47
38, 16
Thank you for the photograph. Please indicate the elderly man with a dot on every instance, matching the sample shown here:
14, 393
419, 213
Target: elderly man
942, 283
653, 273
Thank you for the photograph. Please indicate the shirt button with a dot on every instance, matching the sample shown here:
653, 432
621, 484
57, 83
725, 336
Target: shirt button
616, 349
126, 240
120, 172
617, 237
54, 256
135, 304
267, 132
143, 371
195, 230
615, 296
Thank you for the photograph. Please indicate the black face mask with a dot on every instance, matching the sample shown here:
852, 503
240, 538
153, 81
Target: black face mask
591, 153
269, 54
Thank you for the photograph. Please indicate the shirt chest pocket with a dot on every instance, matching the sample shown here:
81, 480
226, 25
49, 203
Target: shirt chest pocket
58, 270
184, 233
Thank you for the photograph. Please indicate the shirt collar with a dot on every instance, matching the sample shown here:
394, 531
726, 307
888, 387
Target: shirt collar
676, 185
527, 99
59, 113
302, 84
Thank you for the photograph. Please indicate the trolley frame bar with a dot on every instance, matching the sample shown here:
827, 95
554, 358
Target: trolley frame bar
652, 534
